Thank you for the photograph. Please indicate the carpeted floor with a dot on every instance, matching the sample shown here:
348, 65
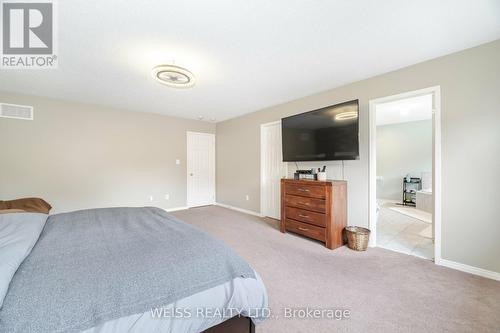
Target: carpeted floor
384, 291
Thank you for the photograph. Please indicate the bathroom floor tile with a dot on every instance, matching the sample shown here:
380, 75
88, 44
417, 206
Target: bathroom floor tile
402, 233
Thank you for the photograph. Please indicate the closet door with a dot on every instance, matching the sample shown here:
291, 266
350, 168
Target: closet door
272, 169
200, 169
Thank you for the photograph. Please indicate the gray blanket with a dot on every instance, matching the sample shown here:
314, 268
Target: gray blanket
96, 265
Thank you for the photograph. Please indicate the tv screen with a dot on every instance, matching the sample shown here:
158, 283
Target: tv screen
326, 134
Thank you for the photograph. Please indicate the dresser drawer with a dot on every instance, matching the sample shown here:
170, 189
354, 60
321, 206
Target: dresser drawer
314, 204
303, 215
306, 190
305, 229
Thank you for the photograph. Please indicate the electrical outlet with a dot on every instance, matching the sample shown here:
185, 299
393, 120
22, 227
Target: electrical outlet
167, 196
177, 161
247, 197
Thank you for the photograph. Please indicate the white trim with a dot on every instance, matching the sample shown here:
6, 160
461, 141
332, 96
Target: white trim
204, 205
436, 172
372, 176
272, 123
470, 269
174, 209
241, 210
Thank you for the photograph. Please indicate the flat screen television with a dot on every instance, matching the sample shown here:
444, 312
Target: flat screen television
326, 134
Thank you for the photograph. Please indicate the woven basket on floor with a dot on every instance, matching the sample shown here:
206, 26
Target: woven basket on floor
357, 238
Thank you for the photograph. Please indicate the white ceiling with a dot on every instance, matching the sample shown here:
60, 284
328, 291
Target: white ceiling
246, 55
405, 110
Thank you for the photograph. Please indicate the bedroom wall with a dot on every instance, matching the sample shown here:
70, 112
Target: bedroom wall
469, 81
82, 156
402, 149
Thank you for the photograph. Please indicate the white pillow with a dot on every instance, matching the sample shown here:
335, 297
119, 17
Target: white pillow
19, 232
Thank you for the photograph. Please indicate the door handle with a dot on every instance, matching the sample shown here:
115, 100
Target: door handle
303, 203
303, 190
306, 216
303, 229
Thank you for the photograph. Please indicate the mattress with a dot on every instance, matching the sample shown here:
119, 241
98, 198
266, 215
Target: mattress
197, 312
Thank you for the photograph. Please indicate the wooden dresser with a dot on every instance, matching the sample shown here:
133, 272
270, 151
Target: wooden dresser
315, 209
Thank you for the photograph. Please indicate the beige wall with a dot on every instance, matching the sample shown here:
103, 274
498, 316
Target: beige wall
470, 93
81, 156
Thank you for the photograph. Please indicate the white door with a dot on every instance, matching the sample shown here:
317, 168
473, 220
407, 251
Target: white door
200, 169
272, 169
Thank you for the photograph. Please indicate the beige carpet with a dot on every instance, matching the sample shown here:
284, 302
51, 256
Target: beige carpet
385, 291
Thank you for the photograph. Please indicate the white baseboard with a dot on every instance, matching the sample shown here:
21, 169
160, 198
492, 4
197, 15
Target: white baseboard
469, 269
241, 210
173, 209
456, 265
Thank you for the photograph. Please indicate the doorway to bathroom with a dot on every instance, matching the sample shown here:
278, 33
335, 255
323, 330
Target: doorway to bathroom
404, 143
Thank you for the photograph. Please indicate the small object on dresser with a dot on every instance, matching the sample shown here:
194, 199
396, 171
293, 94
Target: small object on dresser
322, 176
357, 238
304, 174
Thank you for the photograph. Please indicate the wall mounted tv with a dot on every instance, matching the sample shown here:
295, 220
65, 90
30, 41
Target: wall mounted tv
326, 134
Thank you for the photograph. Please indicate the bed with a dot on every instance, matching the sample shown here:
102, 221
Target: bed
122, 270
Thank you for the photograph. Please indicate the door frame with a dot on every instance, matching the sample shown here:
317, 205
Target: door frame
188, 133
262, 126
435, 91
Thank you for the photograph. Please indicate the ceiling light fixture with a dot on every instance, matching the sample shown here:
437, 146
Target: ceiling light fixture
346, 115
173, 76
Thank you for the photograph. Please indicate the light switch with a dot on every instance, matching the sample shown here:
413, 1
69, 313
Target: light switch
177, 162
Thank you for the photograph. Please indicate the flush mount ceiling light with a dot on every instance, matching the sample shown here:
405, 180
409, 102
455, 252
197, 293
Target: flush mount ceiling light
173, 76
346, 115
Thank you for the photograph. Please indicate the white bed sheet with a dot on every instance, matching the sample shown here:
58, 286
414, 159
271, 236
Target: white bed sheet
240, 293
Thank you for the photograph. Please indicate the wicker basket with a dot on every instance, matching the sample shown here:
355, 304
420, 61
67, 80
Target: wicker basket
357, 238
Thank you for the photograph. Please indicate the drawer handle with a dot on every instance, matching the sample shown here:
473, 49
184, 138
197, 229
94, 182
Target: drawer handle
300, 215
303, 190
303, 229
303, 203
